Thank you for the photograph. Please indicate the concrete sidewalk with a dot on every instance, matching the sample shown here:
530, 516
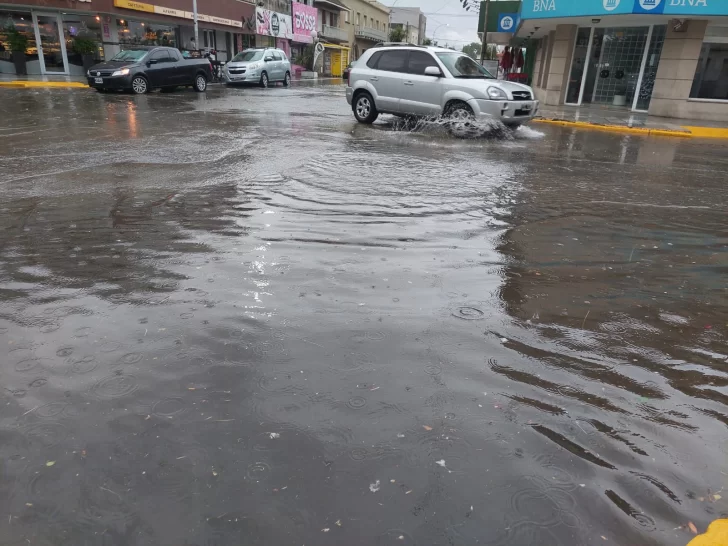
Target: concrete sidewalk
621, 120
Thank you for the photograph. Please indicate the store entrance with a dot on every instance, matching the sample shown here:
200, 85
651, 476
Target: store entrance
51, 47
615, 67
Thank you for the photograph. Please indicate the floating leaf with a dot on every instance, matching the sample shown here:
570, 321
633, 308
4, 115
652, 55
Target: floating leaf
50, 463
427, 428
693, 529
717, 497
338, 522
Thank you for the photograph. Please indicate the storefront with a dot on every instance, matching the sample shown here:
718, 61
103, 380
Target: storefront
274, 29
60, 40
335, 60
304, 24
55, 41
665, 57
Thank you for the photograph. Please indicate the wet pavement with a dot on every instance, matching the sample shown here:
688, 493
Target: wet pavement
242, 318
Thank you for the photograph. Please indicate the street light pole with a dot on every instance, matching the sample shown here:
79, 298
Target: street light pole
436, 28
484, 45
194, 17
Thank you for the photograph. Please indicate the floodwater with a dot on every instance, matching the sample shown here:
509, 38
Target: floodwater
242, 318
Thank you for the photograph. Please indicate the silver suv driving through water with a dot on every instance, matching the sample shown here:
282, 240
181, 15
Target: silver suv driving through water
431, 81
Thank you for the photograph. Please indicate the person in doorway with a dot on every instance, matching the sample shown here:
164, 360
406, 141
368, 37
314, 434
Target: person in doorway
192, 44
506, 61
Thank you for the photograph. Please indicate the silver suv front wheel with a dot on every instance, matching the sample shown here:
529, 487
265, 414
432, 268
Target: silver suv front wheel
364, 109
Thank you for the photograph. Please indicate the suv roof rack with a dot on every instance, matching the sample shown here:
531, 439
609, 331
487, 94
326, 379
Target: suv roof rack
392, 44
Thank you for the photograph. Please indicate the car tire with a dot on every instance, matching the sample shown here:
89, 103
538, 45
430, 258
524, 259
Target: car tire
169, 89
287, 80
461, 119
200, 84
365, 111
264, 80
139, 85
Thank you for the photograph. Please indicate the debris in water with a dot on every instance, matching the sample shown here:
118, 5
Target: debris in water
274, 435
374, 487
326, 529
408, 492
50, 463
441, 463
338, 523
693, 529
427, 428
400, 435
504, 340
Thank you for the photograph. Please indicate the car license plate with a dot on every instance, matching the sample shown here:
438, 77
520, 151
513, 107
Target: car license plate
98, 80
525, 106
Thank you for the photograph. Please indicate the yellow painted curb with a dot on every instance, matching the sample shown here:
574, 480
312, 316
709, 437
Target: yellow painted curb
707, 132
618, 128
716, 535
18, 84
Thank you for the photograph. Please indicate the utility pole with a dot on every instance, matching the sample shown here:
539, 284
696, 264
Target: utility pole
484, 45
194, 17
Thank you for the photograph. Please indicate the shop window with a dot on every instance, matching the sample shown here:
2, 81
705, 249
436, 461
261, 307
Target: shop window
133, 33
23, 23
78, 32
653, 60
711, 74
209, 39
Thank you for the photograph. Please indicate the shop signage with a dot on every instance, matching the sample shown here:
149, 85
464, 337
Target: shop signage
304, 22
541, 9
171, 12
272, 23
507, 22
136, 6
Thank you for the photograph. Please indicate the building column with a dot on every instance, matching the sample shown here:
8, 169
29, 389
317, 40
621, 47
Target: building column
676, 71
559, 64
110, 36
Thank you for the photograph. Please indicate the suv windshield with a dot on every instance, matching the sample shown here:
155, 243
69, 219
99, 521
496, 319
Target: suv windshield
130, 55
462, 66
249, 55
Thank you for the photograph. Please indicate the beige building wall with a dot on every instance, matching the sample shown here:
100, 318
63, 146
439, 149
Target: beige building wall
370, 15
675, 74
560, 63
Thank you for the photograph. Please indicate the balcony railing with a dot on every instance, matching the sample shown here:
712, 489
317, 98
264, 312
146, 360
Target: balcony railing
334, 33
369, 33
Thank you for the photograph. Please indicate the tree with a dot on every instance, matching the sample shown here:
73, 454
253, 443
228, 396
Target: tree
473, 50
426, 41
397, 34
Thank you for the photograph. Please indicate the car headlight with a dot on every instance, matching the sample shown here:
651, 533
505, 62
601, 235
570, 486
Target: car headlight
254, 66
122, 72
497, 94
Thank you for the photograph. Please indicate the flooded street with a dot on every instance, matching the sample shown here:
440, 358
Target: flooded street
242, 318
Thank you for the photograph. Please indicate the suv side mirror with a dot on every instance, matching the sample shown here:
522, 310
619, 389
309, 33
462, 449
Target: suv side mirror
150, 62
268, 59
433, 71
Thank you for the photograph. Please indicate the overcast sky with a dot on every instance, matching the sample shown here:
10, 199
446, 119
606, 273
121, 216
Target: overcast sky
446, 18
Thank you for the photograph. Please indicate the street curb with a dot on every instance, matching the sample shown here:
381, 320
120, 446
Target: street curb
623, 129
18, 84
707, 132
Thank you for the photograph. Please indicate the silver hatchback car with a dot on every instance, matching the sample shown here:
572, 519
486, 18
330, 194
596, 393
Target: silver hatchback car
431, 81
260, 66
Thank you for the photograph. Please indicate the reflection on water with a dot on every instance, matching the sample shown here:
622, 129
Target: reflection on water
232, 319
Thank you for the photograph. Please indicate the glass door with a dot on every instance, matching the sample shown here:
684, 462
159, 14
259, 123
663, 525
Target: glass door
579, 59
51, 47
